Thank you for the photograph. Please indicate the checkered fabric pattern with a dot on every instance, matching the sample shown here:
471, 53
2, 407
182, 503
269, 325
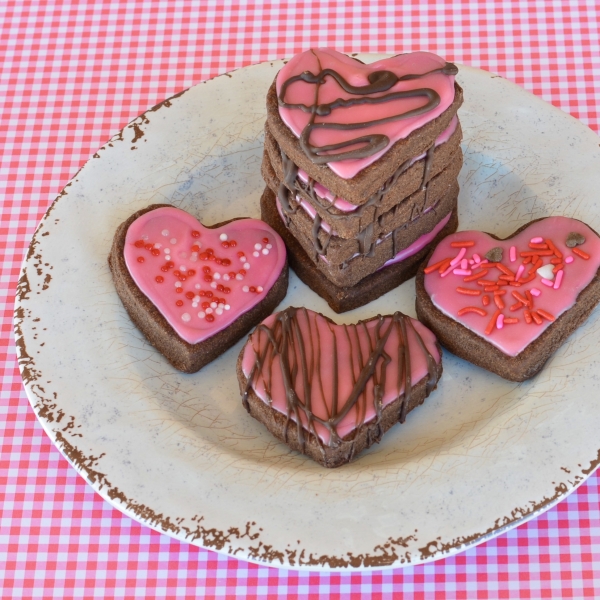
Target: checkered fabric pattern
72, 74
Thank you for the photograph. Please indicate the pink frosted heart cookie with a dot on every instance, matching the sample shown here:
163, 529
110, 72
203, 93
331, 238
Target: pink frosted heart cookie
330, 391
193, 290
348, 114
507, 305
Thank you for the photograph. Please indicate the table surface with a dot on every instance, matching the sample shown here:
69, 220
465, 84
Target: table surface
73, 74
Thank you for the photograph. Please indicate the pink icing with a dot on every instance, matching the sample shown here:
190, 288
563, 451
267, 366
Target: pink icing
321, 394
356, 74
418, 244
172, 229
346, 206
514, 338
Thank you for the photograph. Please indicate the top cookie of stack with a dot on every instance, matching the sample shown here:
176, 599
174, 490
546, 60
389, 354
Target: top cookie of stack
363, 159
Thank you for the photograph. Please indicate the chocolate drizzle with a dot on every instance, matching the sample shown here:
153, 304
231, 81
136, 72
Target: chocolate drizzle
293, 342
379, 82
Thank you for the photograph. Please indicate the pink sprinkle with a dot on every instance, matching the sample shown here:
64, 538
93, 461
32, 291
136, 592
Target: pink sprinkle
477, 258
471, 261
500, 321
485, 260
536, 240
535, 292
519, 270
458, 258
569, 260
464, 263
513, 255
548, 282
461, 271
447, 271
558, 279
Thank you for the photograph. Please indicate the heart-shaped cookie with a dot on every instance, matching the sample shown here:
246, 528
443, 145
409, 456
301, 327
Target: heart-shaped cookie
348, 114
331, 390
508, 304
201, 284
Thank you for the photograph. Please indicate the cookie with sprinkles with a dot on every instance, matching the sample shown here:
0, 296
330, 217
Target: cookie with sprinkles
195, 290
508, 304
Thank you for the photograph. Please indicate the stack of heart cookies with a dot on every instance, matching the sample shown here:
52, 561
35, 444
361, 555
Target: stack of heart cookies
361, 164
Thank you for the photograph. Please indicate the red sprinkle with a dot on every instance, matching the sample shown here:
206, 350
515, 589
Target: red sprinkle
510, 320
242, 272
433, 268
486, 282
492, 323
232, 243
159, 279
265, 240
208, 278
499, 302
580, 253
527, 260
504, 269
546, 315
140, 259
155, 251
521, 299
240, 254
252, 289
538, 253
195, 248
226, 290
148, 246
554, 249
225, 244
191, 273
468, 292
225, 262
472, 309
205, 305
209, 318
485, 300
516, 306
539, 246
528, 318
206, 270
189, 295
179, 303
195, 234
499, 292
555, 261
557, 268
490, 288
465, 244
536, 317
139, 244
475, 277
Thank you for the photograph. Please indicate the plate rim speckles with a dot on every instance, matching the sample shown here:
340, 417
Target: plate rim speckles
93, 433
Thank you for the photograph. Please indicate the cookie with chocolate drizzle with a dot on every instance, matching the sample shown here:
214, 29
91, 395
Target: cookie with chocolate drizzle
331, 391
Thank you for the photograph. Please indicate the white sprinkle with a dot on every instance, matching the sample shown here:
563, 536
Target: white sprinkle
245, 289
209, 311
196, 298
158, 246
194, 305
223, 237
219, 311
202, 314
227, 307
242, 258
167, 251
239, 277
185, 317
178, 284
165, 232
183, 268
259, 288
194, 256
225, 277
269, 246
257, 246
144, 237
217, 276
246, 266
256, 254
213, 305
213, 285
197, 286
173, 240
265, 251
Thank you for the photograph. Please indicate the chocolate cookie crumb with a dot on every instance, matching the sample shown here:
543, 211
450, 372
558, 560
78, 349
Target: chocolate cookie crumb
495, 254
574, 239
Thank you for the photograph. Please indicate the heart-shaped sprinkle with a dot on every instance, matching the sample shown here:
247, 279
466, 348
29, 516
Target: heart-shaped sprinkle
511, 302
494, 255
349, 114
574, 239
200, 279
546, 272
353, 371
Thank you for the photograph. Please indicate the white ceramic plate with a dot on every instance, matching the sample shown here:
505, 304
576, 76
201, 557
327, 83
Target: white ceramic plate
179, 453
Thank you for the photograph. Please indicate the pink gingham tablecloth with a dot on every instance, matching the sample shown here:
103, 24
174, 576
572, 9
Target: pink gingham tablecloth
73, 74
